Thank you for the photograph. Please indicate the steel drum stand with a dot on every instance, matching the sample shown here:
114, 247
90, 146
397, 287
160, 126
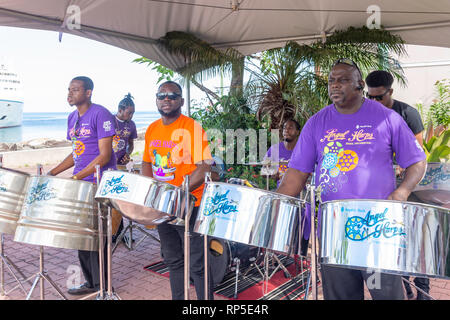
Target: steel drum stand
101, 294
42, 274
130, 227
187, 235
129, 243
312, 277
4, 260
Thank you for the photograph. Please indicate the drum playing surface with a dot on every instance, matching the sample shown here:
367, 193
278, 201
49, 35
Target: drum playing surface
404, 238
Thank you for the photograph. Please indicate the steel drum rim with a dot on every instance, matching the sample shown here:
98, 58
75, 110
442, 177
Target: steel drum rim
389, 201
389, 271
257, 189
194, 198
14, 171
61, 178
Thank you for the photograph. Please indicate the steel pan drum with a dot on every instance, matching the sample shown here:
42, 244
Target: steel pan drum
143, 199
434, 188
60, 213
249, 215
404, 238
13, 185
137, 166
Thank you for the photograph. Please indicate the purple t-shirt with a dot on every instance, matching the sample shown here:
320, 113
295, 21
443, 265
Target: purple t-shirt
84, 132
354, 152
125, 130
278, 152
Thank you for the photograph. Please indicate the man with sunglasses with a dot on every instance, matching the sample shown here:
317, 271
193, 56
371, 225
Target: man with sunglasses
349, 146
90, 128
176, 146
379, 88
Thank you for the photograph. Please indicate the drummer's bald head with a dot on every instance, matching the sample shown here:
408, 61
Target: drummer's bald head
88, 84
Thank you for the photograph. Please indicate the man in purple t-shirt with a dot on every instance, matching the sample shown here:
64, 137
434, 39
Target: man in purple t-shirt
350, 145
90, 128
282, 151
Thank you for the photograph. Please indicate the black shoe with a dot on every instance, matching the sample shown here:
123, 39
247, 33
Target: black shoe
421, 296
81, 290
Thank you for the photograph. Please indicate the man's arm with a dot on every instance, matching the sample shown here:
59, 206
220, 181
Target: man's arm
63, 166
197, 177
413, 174
147, 169
293, 182
419, 138
105, 148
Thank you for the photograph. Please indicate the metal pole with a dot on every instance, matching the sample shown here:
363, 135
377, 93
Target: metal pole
2, 280
100, 238
206, 266
313, 244
109, 239
41, 250
186, 240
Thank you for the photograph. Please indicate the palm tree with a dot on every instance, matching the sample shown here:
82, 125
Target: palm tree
292, 80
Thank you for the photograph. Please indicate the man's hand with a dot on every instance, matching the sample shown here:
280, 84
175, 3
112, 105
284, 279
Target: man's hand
125, 159
399, 194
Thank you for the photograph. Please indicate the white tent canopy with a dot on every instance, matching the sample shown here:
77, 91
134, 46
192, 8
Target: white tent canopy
248, 25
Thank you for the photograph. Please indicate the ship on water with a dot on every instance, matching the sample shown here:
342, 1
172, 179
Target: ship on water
11, 97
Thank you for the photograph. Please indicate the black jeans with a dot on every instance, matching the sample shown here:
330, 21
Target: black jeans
89, 261
421, 283
348, 284
172, 248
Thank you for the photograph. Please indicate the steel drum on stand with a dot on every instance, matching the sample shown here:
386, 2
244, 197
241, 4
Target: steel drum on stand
13, 186
434, 188
59, 213
143, 199
403, 238
250, 216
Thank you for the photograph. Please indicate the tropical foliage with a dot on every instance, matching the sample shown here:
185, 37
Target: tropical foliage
437, 120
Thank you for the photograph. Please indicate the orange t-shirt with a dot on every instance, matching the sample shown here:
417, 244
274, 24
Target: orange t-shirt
173, 150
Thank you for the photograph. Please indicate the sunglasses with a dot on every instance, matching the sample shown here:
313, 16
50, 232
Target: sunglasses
170, 95
348, 62
378, 98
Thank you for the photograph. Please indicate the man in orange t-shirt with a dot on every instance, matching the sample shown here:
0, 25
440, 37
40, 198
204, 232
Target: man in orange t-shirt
176, 146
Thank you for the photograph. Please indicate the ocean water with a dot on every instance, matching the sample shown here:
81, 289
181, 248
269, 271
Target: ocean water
53, 125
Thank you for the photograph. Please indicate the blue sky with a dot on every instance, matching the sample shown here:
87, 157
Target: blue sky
46, 67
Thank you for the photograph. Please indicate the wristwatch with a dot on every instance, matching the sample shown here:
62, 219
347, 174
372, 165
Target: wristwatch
74, 177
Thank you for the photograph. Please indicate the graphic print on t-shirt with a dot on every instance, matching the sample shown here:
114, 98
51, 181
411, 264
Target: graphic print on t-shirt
338, 156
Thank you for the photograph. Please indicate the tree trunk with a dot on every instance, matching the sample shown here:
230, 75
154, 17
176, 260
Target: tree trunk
237, 78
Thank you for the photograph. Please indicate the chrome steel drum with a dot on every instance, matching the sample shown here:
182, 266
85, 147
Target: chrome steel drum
60, 213
434, 188
404, 238
13, 185
143, 199
249, 215
137, 167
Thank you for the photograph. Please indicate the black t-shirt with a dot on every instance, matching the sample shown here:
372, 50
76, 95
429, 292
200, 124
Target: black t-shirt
410, 115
